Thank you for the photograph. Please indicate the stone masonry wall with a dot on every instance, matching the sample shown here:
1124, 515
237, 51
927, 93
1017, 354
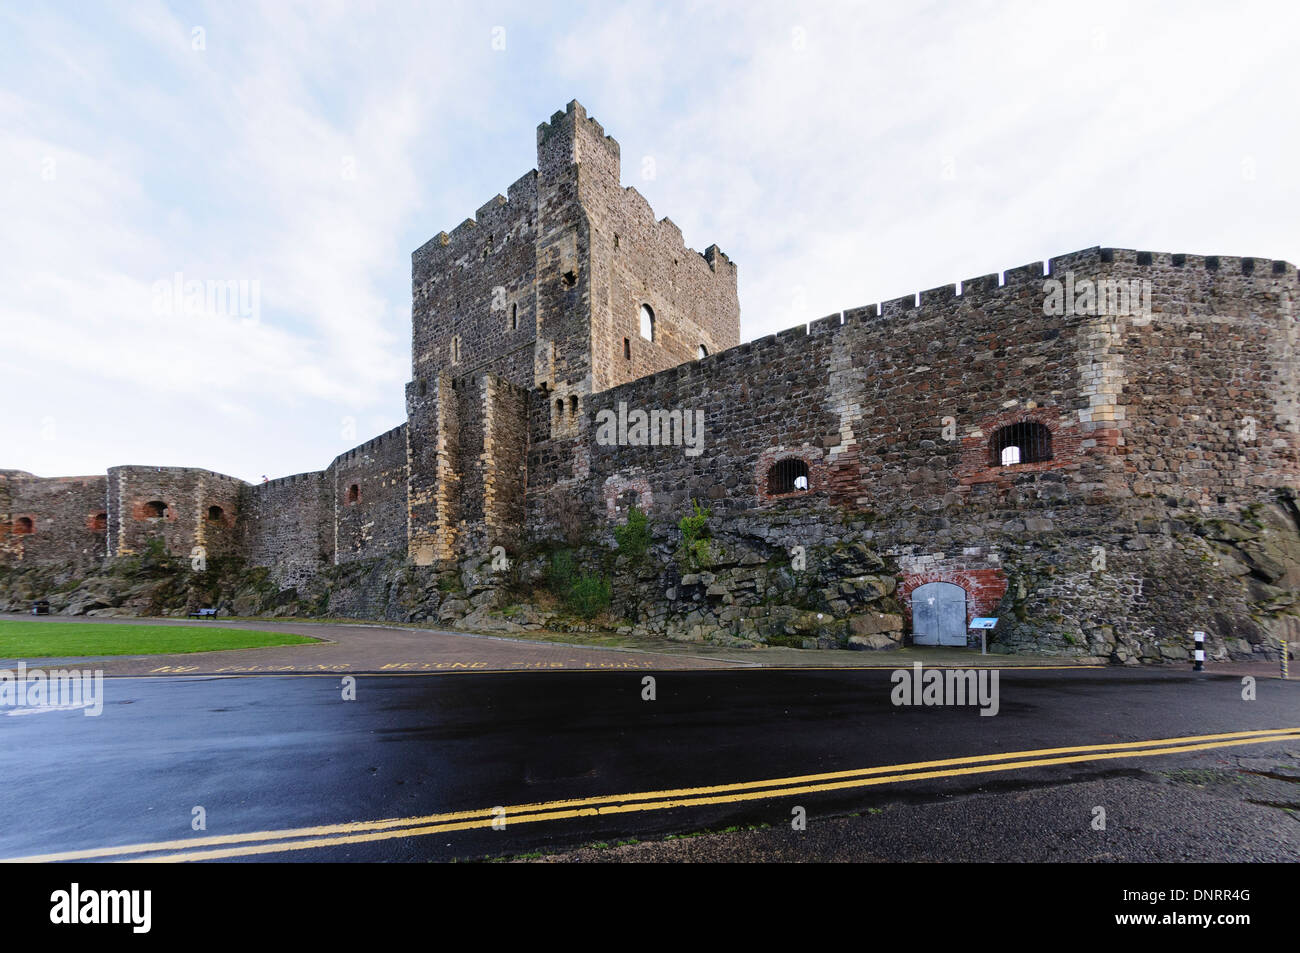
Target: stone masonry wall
369, 486
287, 525
199, 509
476, 285
67, 518
636, 260
896, 428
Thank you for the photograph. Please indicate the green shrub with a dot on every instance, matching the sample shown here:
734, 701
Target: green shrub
561, 573
633, 537
695, 535
588, 596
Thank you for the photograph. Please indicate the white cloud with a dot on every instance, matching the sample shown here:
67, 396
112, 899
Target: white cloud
879, 151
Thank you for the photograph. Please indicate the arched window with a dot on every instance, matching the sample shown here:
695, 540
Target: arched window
702, 352
1024, 442
647, 322
573, 406
215, 513
787, 476
23, 526
155, 510
514, 317
354, 493
454, 349
98, 522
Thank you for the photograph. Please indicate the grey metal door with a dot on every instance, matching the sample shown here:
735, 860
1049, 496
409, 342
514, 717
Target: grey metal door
939, 614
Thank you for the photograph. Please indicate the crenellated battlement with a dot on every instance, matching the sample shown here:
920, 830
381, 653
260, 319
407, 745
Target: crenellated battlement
984, 292
487, 231
668, 234
563, 140
310, 475
371, 445
137, 469
1224, 265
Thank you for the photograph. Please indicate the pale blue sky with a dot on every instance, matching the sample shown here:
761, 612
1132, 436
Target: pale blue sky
841, 154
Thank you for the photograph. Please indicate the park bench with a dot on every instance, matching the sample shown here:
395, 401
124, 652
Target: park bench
203, 614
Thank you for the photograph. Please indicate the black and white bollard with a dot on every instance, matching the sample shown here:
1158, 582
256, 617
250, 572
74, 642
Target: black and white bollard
1200, 652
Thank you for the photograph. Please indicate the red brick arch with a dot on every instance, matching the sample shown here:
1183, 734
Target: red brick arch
976, 467
812, 458
984, 588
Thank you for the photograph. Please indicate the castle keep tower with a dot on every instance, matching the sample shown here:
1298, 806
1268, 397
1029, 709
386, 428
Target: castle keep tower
565, 287
1103, 450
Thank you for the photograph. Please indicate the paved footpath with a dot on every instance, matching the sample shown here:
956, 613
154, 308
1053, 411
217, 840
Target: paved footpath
389, 649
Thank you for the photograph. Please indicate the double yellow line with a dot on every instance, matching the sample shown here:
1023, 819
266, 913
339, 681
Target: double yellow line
220, 847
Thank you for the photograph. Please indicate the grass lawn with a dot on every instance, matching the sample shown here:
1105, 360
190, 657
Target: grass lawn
67, 639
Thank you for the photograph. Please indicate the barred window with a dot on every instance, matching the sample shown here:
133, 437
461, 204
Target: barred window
787, 476
1024, 442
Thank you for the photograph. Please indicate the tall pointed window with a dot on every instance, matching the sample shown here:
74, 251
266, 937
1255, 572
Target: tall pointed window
647, 322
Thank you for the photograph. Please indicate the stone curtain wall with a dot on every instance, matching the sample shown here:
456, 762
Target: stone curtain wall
68, 517
287, 525
10, 548
897, 425
188, 494
374, 523
1210, 381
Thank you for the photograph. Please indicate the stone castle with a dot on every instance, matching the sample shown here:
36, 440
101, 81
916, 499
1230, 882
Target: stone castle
1101, 451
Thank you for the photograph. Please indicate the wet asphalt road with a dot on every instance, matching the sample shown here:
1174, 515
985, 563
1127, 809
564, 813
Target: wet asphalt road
267, 753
